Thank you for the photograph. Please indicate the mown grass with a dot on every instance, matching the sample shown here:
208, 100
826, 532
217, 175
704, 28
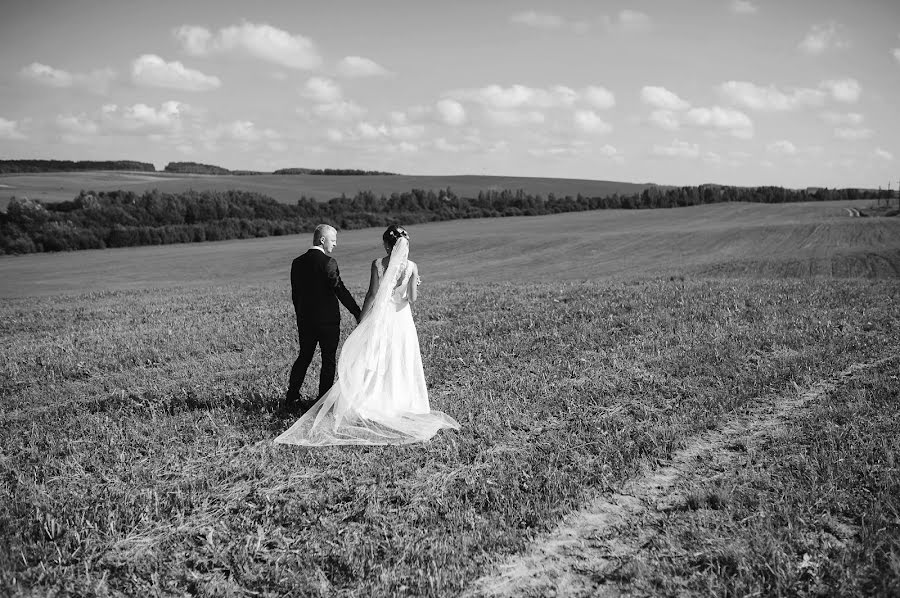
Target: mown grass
811, 511
136, 427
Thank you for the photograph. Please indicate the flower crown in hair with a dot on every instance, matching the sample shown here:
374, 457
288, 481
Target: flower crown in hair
398, 233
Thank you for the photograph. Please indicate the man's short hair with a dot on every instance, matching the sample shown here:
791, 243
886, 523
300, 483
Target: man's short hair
320, 232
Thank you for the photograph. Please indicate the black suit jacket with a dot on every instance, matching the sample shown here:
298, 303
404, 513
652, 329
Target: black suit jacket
316, 287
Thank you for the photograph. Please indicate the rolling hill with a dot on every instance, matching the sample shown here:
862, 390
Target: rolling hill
733, 240
61, 186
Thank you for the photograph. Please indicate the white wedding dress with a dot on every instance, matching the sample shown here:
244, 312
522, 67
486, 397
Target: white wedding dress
380, 395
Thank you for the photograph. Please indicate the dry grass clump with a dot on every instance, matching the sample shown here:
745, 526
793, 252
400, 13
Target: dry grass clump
136, 428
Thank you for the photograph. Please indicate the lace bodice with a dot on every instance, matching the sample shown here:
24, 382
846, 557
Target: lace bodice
401, 287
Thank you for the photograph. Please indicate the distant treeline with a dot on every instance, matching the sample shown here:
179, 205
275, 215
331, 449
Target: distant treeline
125, 219
12, 166
331, 171
195, 168
28, 166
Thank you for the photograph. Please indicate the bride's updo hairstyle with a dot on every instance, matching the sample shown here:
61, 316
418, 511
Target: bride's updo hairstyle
392, 234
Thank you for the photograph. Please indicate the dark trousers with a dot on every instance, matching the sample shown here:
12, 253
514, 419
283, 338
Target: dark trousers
327, 337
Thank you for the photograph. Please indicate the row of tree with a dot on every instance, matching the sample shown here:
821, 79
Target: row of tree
31, 166
28, 166
125, 218
194, 168
332, 171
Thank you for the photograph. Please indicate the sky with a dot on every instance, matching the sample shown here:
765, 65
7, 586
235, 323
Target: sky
795, 93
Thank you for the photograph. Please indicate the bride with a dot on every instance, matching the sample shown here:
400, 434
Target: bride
380, 395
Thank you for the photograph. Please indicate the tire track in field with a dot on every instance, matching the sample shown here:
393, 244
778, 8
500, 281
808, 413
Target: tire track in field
581, 556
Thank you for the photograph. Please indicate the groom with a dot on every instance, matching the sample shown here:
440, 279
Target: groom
316, 287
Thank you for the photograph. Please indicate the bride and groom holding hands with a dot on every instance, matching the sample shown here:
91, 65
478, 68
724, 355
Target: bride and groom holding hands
380, 395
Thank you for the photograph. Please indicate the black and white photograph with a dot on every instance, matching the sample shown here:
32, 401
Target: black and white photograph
408, 298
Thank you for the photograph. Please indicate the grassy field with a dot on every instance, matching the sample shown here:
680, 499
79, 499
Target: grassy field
808, 511
138, 408
61, 186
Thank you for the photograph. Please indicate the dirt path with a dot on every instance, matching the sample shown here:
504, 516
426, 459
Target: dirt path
580, 557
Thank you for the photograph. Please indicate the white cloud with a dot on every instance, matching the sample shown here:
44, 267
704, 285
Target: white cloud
498, 99
633, 20
357, 66
711, 158
599, 97
339, 110
770, 98
677, 149
261, 41
743, 7
843, 90
660, 97
665, 119
471, 143
141, 118
556, 151
566, 96
498, 147
547, 21
608, 150
589, 122
241, 130
822, 37
144, 115
367, 130
320, 89
97, 81
782, 147
896, 53
835, 118
404, 147
883, 154
451, 112
195, 40
515, 117
445, 146
853, 133
152, 71
728, 120
76, 125
733, 121
398, 117
539, 20
9, 129
47, 75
